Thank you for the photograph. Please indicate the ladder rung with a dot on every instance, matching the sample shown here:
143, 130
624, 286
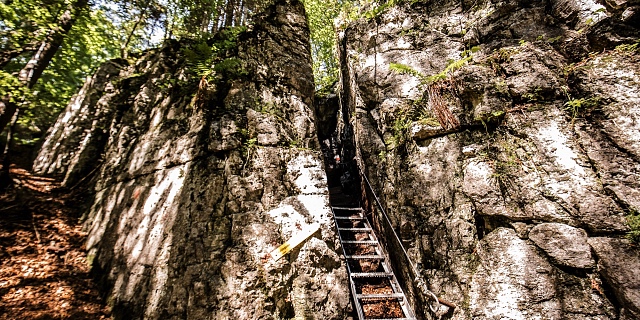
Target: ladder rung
345, 208
359, 242
366, 256
349, 218
371, 274
355, 229
380, 296
394, 319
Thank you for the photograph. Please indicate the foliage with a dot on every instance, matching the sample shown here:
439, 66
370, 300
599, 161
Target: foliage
629, 48
501, 153
405, 69
633, 218
379, 9
26, 21
400, 128
10, 86
452, 66
199, 57
89, 43
577, 106
205, 57
436, 86
321, 14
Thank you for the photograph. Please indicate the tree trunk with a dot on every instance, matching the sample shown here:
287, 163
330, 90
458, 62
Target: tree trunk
238, 14
41, 59
7, 56
6, 112
5, 174
124, 53
30, 74
228, 12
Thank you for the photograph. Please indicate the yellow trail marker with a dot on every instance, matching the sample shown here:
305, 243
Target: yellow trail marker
294, 242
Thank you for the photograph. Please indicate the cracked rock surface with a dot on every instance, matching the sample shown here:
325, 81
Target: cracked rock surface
516, 205
196, 181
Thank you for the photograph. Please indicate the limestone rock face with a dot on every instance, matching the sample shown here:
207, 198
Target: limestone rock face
76, 139
197, 179
619, 261
511, 272
566, 245
501, 136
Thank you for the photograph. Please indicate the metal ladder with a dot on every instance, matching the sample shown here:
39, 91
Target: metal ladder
372, 267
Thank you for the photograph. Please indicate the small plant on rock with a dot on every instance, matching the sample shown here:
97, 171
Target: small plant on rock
629, 48
578, 106
437, 85
633, 218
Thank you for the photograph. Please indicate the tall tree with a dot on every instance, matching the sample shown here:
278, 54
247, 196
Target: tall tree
47, 48
31, 72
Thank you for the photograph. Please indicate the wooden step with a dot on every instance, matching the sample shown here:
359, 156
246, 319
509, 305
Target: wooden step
374, 242
356, 229
347, 208
399, 296
371, 274
365, 256
350, 218
391, 318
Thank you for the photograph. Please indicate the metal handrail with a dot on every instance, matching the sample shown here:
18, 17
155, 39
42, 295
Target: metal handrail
418, 277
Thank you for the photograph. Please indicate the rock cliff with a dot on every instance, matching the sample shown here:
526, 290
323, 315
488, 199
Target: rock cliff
502, 139
197, 177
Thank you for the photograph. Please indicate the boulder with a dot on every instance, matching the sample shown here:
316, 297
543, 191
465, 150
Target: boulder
566, 245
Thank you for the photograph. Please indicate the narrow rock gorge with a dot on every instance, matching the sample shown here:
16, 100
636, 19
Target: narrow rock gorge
501, 137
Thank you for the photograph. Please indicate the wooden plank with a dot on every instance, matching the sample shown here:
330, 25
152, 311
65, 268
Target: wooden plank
380, 296
356, 229
347, 208
296, 240
371, 274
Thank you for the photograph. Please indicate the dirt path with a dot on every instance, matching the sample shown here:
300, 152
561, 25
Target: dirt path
43, 270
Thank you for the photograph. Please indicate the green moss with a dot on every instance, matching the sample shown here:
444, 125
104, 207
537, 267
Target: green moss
270, 108
231, 67
207, 55
633, 218
382, 156
554, 39
400, 129
629, 48
90, 258
429, 121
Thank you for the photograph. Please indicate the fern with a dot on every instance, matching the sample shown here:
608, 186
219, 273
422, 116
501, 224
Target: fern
629, 47
436, 85
452, 66
380, 9
405, 69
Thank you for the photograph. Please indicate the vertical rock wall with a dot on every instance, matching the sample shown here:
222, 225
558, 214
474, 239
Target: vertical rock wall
502, 137
197, 180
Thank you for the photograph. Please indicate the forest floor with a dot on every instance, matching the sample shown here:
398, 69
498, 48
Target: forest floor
43, 269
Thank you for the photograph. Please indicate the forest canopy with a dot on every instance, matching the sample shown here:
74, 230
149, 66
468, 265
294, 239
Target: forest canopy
49, 47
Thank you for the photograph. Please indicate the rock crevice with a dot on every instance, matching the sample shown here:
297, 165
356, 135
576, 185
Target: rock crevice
502, 211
